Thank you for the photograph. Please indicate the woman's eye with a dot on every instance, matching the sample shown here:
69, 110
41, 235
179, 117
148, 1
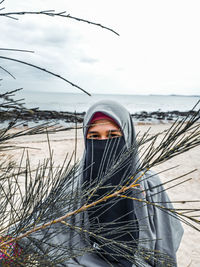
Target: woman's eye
94, 136
113, 135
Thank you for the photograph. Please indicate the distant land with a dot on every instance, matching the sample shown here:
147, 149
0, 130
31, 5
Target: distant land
185, 95
175, 95
111, 94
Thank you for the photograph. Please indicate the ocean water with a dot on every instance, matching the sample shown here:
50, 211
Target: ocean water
81, 102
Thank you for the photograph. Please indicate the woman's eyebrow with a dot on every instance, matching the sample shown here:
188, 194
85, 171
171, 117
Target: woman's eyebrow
96, 132
114, 130
92, 132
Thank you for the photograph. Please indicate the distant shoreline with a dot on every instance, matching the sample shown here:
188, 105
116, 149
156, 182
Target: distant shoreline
176, 95
71, 102
80, 93
36, 115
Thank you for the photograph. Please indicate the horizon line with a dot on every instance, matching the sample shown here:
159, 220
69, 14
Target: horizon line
194, 95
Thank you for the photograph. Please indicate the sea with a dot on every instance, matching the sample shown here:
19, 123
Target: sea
80, 102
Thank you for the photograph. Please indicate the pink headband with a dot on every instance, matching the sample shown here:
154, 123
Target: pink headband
101, 116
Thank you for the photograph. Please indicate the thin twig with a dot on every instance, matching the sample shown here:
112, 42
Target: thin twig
52, 13
47, 71
8, 72
16, 50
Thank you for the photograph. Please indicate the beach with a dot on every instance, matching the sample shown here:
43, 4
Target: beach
64, 142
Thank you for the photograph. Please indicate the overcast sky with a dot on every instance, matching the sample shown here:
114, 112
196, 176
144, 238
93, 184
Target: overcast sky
157, 52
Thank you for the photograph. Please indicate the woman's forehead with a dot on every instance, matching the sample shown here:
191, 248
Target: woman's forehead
104, 124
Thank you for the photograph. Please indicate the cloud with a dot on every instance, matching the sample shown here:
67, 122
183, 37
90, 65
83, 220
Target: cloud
153, 52
88, 60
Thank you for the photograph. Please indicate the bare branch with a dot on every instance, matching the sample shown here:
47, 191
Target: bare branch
47, 71
7, 72
89, 22
16, 50
52, 13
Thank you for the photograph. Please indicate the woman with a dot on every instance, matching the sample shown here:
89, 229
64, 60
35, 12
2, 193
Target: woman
120, 231
154, 235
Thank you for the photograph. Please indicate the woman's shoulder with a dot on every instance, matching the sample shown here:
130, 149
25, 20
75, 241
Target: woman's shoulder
153, 186
151, 179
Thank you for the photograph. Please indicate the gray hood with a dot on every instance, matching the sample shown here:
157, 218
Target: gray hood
160, 230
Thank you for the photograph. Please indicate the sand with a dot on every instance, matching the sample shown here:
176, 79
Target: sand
64, 142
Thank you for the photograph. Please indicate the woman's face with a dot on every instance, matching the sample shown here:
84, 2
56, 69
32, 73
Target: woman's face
103, 129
